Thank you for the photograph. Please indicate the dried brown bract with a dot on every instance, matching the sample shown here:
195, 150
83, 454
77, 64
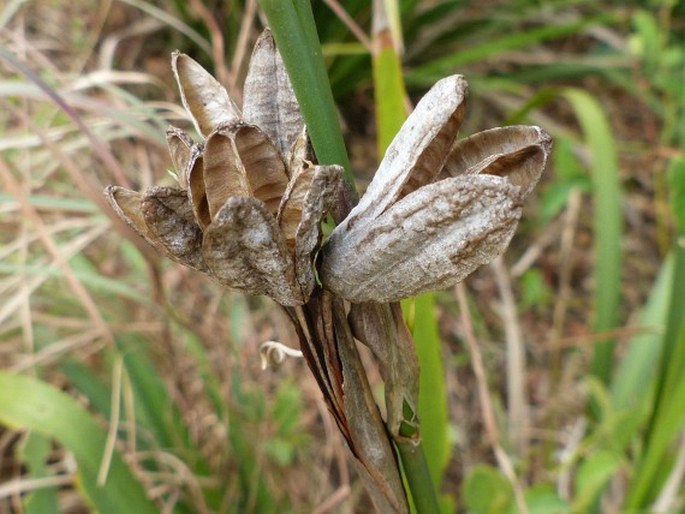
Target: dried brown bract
436, 209
250, 204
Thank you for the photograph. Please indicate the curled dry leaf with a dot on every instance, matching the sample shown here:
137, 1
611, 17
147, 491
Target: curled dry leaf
435, 210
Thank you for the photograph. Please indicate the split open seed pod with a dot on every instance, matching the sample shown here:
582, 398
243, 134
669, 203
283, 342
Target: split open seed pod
249, 204
435, 209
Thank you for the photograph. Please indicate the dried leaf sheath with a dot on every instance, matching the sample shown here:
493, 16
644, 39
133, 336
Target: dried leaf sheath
330, 352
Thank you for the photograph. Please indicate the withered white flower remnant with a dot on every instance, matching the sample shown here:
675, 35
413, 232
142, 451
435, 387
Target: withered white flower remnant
250, 204
436, 209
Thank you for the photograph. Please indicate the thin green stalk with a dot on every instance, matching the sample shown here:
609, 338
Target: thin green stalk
292, 24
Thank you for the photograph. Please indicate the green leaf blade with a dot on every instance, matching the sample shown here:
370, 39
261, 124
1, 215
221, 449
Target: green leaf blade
29, 403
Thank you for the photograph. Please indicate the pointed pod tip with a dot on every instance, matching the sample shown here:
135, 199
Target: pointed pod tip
265, 38
455, 82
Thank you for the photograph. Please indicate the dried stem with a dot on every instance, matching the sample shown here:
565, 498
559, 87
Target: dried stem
503, 460
516, 361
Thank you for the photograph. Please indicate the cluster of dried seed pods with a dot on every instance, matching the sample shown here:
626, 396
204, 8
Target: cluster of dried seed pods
249, 208
250, 203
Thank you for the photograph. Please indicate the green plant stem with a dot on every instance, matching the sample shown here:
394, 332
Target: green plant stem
292, 24
415, 467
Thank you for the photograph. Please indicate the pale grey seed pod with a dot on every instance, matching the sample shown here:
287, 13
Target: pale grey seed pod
436, 209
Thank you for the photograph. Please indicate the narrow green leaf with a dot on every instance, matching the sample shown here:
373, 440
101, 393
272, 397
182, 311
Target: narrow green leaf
676, 182
88, 384
667, 423
154, 407
432, 396
487, 491
26, 402
593, 475
35, 452
669, 409
598, 136
640, 364
389, 96
438, 68
391, 112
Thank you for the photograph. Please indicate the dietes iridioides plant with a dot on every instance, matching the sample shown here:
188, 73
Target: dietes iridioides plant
249, 208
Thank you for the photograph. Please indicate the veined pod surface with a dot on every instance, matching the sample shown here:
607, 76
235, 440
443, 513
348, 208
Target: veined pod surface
436, 209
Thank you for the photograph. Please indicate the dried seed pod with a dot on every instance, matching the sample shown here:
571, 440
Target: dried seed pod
169, 217
197, 193
520, 152
264, 166
223, 172
270, 101
316, 203
237, 183
128, 206
243, 250
418, 151
203, 97
430, 239
299, 153
435, 210
240, 160
180, 148
162, 216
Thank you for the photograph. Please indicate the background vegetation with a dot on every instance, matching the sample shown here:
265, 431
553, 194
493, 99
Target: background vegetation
560, 386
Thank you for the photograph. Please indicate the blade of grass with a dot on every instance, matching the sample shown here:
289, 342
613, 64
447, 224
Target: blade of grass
436, 69
29, 403
669, 407
607, 222
154, 408
640, 364
35, 452
432, 394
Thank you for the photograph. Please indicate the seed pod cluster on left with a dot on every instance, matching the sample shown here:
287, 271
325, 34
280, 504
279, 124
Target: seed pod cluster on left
249, 205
